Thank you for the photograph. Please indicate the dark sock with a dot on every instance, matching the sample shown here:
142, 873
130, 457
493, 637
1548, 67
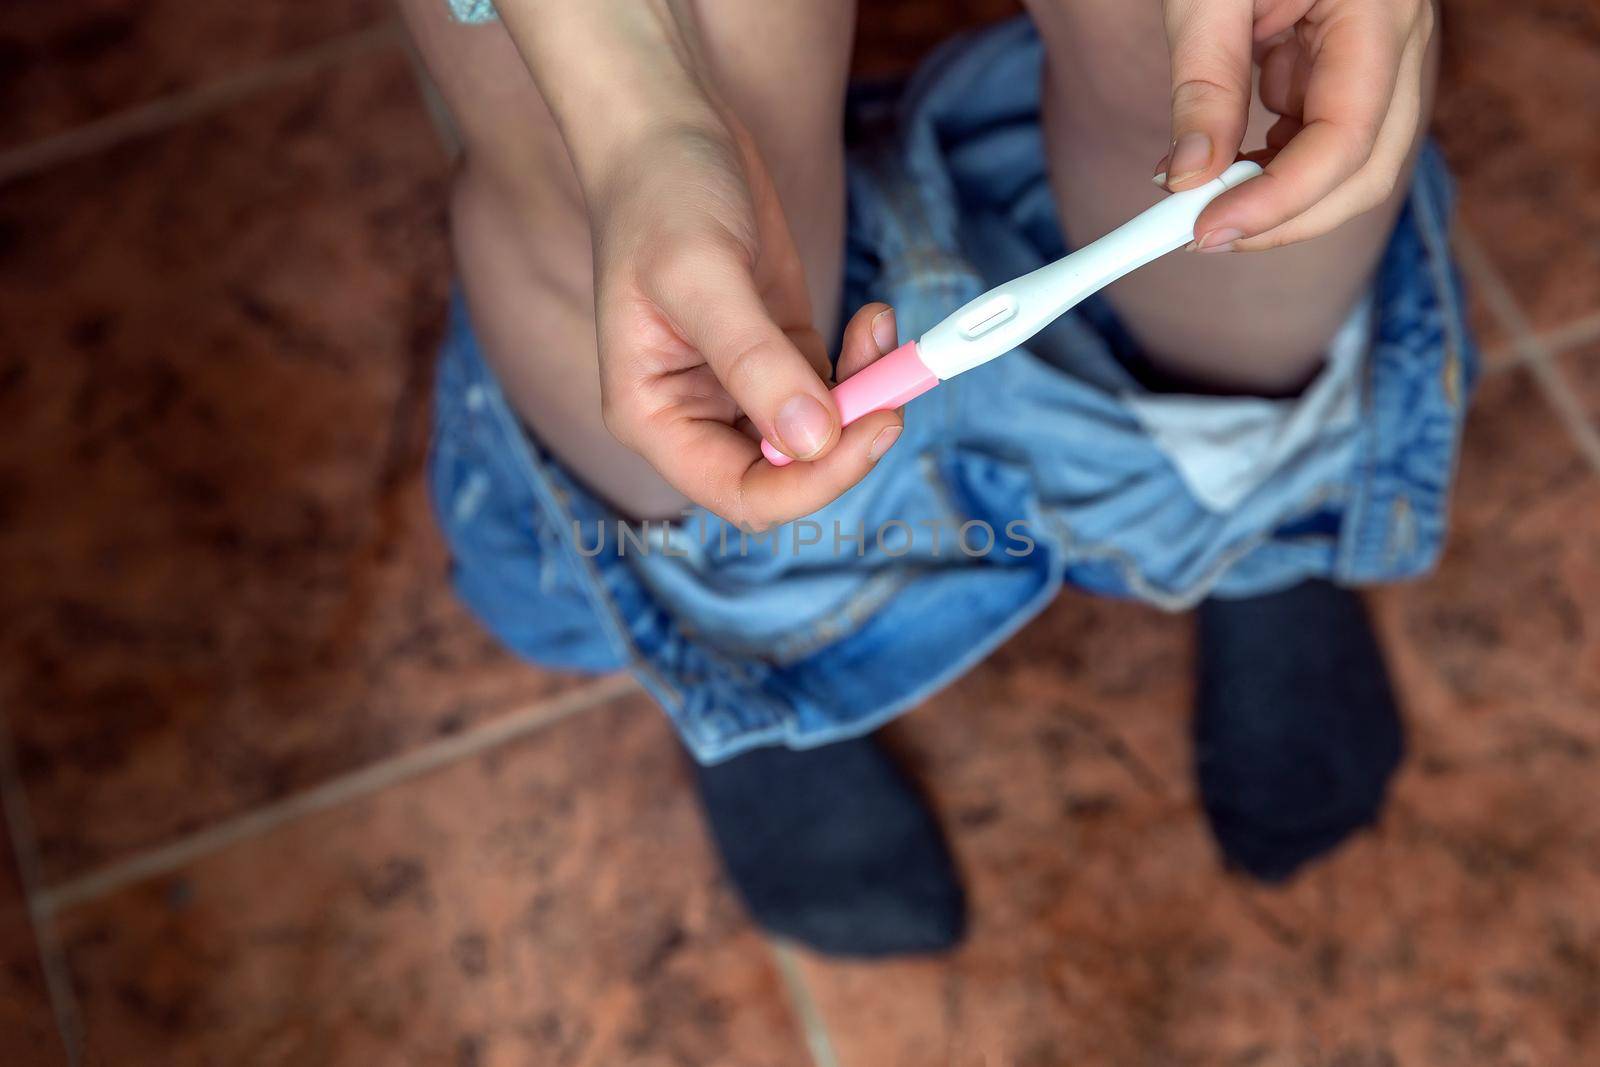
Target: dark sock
1296, 728
834, 848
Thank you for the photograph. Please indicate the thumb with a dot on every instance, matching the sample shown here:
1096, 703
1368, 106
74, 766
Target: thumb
1210, 42
708, 294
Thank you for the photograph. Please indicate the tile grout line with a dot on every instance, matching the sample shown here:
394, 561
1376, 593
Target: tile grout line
166, 112
1531, 350
25, 849
1507, 355
1559, 392
1501, 358
804, 1006
1579, 331
1496, 294
354, 785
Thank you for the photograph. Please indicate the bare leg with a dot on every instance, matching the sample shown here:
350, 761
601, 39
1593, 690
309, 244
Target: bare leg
517, 216
1251, 322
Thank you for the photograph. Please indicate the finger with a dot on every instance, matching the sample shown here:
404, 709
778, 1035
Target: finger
871, 333
1347, 98
721, 469
1263, 45
808, 340
704, 288
811, 346
1210, 42
778, 494
1281, 133
1275, 19
1284, 75
1375, 182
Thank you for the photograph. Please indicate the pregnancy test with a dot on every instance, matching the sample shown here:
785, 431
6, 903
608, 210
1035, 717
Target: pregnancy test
1009, 314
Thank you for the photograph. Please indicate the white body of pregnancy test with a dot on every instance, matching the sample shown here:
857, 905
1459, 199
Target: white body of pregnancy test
1009, 314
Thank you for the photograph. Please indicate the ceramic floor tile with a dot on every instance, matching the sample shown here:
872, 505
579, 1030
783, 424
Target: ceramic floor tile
1059, 767
28, 1036
1464, 929
220, 578
1500, 649
1497, 877
553, 902
1581, 369
62, 65
1515, 115
1495, 347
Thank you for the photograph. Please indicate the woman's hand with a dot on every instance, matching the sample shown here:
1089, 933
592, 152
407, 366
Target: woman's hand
706, 335
705, 326
1345, 78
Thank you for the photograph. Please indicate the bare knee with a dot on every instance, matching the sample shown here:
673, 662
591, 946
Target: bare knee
1109, 58
510, 141
1254, 322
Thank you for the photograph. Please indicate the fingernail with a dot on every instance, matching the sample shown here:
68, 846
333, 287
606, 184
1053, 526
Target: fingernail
883, 442
1220, 240
1191, 154
804, 426
1159, 176
884, 333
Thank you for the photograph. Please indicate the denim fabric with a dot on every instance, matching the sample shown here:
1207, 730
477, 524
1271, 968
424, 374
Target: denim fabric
473, 10
801, 643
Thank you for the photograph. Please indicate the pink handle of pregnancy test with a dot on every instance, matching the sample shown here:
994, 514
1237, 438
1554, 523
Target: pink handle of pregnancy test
893, 380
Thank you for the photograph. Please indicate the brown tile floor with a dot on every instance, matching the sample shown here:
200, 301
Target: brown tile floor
290, 806
1516, 118
174, 389
28, 1034
502, 911
66, 65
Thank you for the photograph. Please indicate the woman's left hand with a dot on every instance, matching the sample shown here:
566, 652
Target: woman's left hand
1345, 78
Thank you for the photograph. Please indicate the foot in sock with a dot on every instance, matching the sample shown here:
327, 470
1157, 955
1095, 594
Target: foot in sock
834, 848
1296, 728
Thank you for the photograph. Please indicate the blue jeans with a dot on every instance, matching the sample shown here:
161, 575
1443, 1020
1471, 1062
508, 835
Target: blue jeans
1046, 466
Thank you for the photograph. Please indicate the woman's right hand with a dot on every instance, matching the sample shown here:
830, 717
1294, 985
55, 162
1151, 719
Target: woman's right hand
707, 342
